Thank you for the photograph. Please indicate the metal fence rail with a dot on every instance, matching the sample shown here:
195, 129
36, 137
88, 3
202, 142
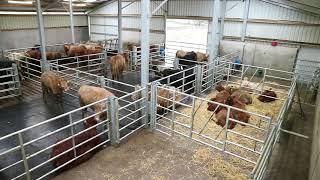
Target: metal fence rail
9, 82
125, 117
182, 117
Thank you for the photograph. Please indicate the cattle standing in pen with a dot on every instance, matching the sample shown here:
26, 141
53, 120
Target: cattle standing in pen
53, 84
90, 94
118, 65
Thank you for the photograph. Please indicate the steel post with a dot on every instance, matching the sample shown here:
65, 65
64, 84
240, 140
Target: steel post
114, 120
71, 21
44, 62
145, 35
215, 31
24, 157
16, 79
102, 82
223, 14
120, 48
153, 105
245, 20
72, 135
198, 79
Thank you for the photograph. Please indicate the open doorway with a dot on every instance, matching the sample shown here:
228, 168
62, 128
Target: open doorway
186, 34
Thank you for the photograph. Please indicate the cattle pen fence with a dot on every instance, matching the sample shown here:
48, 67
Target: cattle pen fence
9, 82
127, 115
187, 114
29, 155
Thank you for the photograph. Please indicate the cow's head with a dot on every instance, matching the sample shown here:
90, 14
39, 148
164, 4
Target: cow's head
64, 85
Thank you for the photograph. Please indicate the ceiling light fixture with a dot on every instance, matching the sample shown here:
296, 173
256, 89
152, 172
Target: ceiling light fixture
19, 2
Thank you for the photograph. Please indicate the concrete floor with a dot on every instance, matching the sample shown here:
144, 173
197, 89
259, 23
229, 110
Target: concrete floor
152, 156
291, 158
146, 155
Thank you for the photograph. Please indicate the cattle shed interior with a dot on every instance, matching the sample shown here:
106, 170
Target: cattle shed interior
160, 89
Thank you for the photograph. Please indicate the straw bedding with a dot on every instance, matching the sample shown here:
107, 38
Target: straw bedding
227, 166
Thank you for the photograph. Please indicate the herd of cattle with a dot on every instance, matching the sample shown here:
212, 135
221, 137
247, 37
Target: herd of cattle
238, 98
54, 85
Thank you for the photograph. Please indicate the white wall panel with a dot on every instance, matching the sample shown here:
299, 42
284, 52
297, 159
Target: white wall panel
232, 29
281, 29
263, 10
202, 8
234, 9
10, 22
133, 8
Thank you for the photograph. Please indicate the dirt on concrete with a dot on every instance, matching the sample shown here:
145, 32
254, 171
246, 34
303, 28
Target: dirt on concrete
151, 155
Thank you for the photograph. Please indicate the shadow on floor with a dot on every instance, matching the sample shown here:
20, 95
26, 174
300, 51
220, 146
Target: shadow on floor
291, 157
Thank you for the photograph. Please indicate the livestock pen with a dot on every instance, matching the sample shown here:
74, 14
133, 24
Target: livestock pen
27, 150
9, 82
251, 142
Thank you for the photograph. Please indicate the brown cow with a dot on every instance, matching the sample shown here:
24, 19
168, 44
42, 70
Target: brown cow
119, 63
53, 55
221, 117
239, 115
268, 96
54, 84
78, 139
75, 50
202, 57
90, 94
242, 96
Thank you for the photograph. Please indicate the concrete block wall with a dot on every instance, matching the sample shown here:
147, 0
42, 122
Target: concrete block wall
28, 37
258, 54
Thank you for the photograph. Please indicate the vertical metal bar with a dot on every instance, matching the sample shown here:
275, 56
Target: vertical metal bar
228, 74
102, 82
223, 14
135, 56
153, 105
89, 27
192, 116
114, 120
44, 62
242, 74
120, 48
215, 34
145, 35
198, 79
173, 115
245, 20
183, 80
226, 133
16, 79
145, 51
176, 63
24, 157
72, 135
138, 104
71, 21
263, 79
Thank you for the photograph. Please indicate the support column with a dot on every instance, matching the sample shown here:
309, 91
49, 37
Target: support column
245, 19
145, 35
120, 48
44, 63
71, 21
223, 14
215, 31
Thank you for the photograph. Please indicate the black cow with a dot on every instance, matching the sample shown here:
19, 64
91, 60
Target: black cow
191, 57
178, 78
